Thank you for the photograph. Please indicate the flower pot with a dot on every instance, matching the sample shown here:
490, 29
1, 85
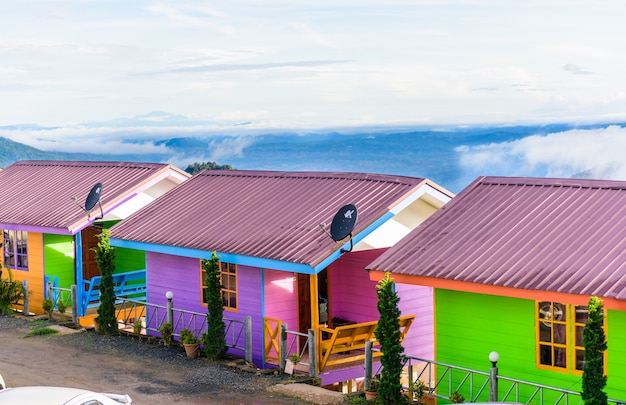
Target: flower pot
192, 350
371, 395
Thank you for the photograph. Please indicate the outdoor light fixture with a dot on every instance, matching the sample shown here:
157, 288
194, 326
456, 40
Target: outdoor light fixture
493, 376
494, 357
169, 295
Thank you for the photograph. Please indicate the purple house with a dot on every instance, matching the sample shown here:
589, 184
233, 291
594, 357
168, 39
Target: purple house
279, 265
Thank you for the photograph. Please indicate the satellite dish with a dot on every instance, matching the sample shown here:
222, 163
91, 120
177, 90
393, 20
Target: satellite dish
343, 222
93, 197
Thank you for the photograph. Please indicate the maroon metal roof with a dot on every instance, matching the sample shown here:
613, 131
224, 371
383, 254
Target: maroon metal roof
263, 214
40, 193
557, 235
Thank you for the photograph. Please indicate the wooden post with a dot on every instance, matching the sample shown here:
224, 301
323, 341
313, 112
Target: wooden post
248, 326
368, 365
26, 305
283, 345
74, 304
312, 353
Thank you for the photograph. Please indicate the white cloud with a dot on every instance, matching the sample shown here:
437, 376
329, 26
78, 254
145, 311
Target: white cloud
401, 61
589, 153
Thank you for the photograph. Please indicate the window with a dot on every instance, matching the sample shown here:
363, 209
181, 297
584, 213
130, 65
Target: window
552, 332
581, 314
228, 275
560, 336
15, 249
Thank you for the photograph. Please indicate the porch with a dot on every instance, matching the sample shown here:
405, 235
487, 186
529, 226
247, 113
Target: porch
333, 354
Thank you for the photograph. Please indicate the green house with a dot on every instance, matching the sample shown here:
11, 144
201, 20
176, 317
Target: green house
513, 263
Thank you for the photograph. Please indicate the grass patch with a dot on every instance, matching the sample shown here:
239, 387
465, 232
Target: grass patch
37, 323
42, 332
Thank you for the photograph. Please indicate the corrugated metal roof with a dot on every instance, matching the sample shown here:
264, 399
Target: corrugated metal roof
40, 193
557, 235
263, 214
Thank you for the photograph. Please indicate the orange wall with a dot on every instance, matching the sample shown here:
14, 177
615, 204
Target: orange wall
35, 273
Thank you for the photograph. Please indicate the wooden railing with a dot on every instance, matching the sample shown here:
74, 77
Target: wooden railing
272, 339
336, 343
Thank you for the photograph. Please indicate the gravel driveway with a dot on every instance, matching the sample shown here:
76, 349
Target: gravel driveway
149, 372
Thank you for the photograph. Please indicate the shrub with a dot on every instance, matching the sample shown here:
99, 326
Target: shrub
61, 307
166, 332
137, 326
11, 291
48, 307
105, 258
456, 397
215, 342
388, 334
187, 337
594, 380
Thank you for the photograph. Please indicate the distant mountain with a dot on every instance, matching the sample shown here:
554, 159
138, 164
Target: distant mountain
435, 153
11, 152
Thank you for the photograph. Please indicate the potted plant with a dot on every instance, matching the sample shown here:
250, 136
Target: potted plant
372, 391
190, 342
416, 390
456, 397
292, 362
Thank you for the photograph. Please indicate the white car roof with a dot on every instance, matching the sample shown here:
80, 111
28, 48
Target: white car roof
57, 396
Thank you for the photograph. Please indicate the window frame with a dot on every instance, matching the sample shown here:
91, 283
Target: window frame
233, 292
571, 346
15, 249
551, 324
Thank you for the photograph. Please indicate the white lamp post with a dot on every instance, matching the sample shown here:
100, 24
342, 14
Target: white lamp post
493, 376
170, 307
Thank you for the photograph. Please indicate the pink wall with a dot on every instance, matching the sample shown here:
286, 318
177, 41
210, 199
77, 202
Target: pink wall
353, 294
353, 297
280, 297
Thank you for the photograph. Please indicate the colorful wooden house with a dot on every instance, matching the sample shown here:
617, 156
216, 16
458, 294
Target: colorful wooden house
47, 233
513, 262
279, 264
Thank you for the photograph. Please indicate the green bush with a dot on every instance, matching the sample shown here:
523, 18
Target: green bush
187, 337
388, 334
167, 333
105, 259
11, 292
48, 307
215, 338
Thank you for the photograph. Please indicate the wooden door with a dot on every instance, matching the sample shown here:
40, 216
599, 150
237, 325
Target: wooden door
304, 303
89, 238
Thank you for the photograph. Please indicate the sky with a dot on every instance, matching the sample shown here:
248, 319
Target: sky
95, 72
313, 63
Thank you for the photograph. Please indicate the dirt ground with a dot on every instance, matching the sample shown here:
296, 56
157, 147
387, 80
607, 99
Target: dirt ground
55, 360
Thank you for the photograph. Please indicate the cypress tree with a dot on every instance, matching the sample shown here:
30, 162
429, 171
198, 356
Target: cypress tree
105, 259
215, 337
388, 334
595, 344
